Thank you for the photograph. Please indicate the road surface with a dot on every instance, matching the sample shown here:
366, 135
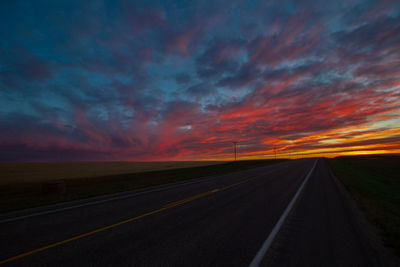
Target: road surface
218, 221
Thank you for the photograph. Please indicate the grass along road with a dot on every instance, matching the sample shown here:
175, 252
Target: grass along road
374, 183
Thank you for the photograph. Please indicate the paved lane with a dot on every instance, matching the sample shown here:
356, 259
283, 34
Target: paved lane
221, 220
221, 228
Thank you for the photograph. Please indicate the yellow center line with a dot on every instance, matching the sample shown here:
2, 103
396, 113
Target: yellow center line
165, 207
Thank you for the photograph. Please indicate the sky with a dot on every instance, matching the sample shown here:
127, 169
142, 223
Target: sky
180, 80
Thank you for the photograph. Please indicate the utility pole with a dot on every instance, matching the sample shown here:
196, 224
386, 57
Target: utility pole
275, 151
234, 148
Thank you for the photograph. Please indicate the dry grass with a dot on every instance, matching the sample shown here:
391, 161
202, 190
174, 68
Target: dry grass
22, 173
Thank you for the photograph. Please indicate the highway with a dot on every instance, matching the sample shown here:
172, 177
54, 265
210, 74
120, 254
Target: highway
226, 220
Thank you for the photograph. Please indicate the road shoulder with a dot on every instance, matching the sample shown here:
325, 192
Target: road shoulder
325, 228
386, 255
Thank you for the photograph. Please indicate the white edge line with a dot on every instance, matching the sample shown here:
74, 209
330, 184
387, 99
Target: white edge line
95, 202
118, 197
267, 243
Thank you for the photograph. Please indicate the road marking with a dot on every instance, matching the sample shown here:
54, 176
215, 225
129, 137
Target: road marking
165, 207
119, 196
267, 243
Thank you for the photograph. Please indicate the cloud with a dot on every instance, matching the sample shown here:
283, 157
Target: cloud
182, 78
19, 65
201, 90
154, 81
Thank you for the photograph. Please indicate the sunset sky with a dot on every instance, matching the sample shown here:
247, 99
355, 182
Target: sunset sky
181, 80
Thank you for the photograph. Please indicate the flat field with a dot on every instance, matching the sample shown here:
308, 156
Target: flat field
23, 183
374, 182
32, 172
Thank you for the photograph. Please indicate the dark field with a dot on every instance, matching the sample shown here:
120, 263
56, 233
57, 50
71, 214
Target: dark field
27, 191
32, 172
374, 182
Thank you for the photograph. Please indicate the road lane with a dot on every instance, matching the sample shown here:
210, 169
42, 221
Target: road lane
323, 230
271, 237
260, 201
50, 228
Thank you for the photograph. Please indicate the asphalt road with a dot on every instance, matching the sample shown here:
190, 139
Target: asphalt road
217, 221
